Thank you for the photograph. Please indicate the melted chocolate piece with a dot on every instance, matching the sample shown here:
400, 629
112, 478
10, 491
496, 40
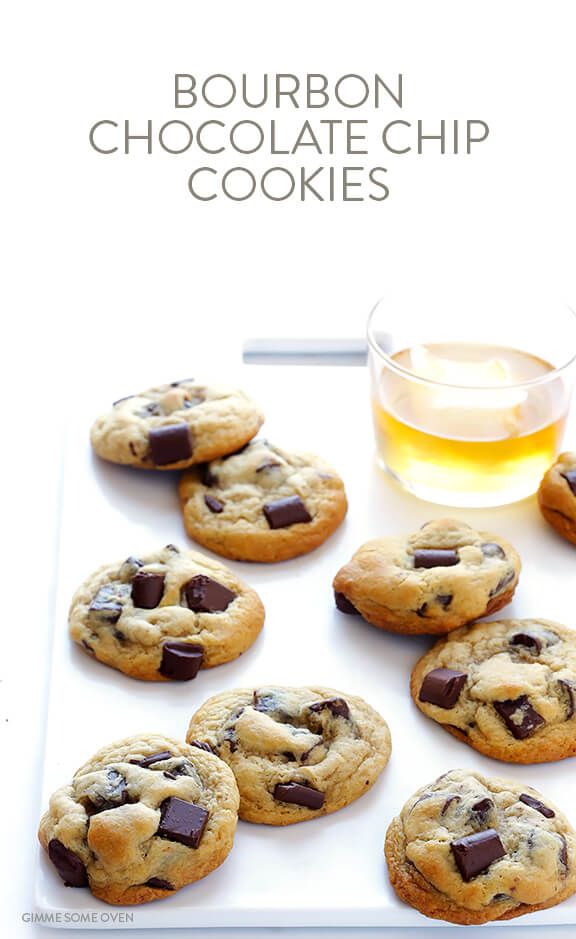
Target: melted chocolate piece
120, 400
157, 884
519, 716
152, 409
448, 803
563, 853
201, 745
481, 810
182, 381
148, 761
570, 477
444, 600
435, 557
492, 550
70, 867
147, 589
271, 464
421, 611
502, 583
285, 512
337, 706
214, 504
536, 804
528, 642
207, 477
204, 595
182, 821
181, 661
344, 605
170, 444
476, 853
298, 794
442, 687
106, 606
569, 689
114, 793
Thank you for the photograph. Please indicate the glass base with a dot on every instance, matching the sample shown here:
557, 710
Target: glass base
461, 499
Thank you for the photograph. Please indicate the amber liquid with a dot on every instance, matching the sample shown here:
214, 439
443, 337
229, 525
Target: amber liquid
472, 446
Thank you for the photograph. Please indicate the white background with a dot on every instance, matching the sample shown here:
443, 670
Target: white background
112, 271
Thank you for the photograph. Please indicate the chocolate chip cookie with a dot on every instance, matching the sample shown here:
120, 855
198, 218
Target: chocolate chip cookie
506, 688
173, 426
142, 818
262, 503
557, 496
296, 752
470, 849
444, 575
165, 614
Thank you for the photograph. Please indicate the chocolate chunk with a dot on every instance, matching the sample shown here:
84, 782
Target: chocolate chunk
204, 595
569, 688
337, 706
286, 512
170, 775
536, 804
503, 582
529, 642
70, 867
170, 443
214, 504
264, 702
158, 884
519, 716
147, 589
444, 600
148, 761
106, 606
448, 803
271, 464
499, 897
481, 810
570, 477
182, 821
435, 557
181, 661
492, 550
207, 477
563, 853
421, 611
298, 794
201, 745
344, 605
114, 793
476, 853
442, 687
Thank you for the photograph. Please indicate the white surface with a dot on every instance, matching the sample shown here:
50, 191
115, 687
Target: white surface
329, 871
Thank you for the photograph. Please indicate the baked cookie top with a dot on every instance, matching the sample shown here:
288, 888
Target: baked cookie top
142, 818
557, 496
442, 576
262, 503
507, 688
164, 614
296, 752
470, 849
173, 426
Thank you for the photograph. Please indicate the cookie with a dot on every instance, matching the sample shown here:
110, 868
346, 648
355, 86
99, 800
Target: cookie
173, 426
557, 496
444, 575
296, 753
142, 818
506, 688
471, 849
165, 614
262, 503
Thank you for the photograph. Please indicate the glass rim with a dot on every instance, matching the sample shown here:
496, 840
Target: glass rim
432, 382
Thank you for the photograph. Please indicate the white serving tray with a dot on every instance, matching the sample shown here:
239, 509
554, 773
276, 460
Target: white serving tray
329, 871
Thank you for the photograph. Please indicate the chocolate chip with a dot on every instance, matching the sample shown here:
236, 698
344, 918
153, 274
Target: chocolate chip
536, 804
113, 794
519, 716
442, 687
481, 810
181, 661
337, 706
476, 853
503, 582
444, 600
182, 821
106, 606
207, 477
271, 464
285, 512
158, 884
569, 689
204, 595
200, 745
570, 477
435, 557
148, 761
214, 504
529, 642
70, 867
492, 550
147, 589
298, 794
448, 803
170, 443
344, 605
